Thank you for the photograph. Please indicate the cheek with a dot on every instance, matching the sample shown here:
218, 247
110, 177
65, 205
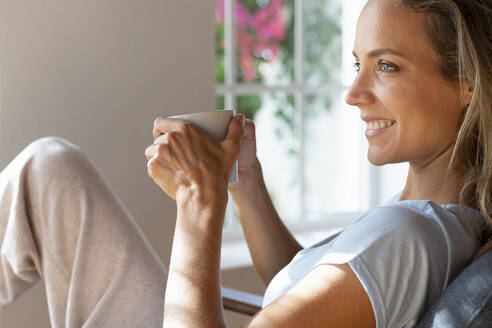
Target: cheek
400, 101
427, 120
437, 110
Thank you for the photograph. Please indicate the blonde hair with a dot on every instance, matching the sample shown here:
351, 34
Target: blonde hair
461, 34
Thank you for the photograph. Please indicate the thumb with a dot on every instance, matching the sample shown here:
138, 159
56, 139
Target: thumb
234, 134
235, 130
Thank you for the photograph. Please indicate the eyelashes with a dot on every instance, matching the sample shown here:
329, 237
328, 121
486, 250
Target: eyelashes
388, 67
383, 66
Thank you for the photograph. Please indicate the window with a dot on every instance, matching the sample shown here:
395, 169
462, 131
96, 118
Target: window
287, 64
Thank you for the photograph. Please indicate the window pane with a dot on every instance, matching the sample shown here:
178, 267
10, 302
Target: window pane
277, 147
323, 41
265, 41
334, 157
219, 41
219, 102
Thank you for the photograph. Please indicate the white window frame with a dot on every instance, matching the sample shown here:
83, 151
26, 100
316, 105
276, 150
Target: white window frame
234, 251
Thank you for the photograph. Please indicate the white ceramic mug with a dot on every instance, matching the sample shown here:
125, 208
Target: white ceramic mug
214, 124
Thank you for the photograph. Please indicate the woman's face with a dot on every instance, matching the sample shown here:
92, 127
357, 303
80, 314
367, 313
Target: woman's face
399, 86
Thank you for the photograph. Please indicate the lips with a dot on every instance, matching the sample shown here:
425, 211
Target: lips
369, 118
375, 128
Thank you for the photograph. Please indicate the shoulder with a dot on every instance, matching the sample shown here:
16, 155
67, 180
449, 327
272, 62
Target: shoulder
425, 221
414, 220
402, 212
403, 250
388, 232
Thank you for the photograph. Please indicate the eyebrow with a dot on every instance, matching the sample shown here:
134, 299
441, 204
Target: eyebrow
377, 52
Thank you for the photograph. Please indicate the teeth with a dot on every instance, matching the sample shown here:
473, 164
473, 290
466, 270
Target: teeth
376, 125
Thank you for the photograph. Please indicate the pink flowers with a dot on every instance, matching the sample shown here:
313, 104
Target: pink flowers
259, 34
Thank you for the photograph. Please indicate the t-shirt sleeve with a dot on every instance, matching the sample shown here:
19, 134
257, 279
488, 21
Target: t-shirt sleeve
392, 250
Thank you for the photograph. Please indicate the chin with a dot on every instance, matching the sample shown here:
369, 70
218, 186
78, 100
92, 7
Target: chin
377, 163
380, 159
377, 159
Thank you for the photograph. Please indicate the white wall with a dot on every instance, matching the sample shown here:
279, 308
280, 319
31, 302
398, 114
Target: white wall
98, 72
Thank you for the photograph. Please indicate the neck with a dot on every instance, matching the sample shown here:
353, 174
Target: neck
428, 180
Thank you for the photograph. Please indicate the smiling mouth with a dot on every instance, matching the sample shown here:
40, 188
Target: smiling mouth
380, 124
375, 128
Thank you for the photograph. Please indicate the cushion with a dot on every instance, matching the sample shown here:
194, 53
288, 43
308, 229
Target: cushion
467, 301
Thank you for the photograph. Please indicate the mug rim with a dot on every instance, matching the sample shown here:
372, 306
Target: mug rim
204, 113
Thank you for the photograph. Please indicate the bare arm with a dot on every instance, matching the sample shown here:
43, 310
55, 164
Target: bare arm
271, 245
329, 296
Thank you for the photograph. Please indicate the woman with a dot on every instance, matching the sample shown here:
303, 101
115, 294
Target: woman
423, 85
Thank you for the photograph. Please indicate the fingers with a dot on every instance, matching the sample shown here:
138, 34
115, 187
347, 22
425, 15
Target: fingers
152, 160
163, 138
163, 125
235, 130
182, 135
162, 146
232, 143
154, 150
150, 151
154, 153
234, 140
249, 129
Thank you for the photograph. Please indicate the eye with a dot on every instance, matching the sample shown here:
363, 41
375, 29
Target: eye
386, 67
356, 66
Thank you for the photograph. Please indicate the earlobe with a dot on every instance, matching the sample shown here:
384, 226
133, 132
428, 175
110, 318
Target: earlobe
467, 95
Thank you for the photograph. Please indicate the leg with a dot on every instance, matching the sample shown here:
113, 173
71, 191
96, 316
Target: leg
60, 221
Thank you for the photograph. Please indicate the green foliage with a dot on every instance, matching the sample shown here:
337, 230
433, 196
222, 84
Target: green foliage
250, 4
219, 53
249, 105
322, 36
220, 102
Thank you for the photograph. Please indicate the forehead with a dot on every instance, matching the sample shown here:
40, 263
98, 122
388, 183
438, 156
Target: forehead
384, 24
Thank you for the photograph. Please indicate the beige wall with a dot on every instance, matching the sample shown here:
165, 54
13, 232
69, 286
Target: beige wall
97, 72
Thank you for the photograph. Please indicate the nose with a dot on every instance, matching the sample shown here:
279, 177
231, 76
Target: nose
359, 93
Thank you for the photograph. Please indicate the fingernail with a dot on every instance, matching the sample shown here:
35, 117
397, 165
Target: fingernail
242, 118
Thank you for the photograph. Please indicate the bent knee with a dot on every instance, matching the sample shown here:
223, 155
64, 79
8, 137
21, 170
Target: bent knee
54, 154
47, 142
50, 147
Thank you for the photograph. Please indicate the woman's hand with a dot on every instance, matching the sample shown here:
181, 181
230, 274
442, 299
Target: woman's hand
248, 164
185, 162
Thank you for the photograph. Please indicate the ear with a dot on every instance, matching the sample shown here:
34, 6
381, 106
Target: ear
466, 94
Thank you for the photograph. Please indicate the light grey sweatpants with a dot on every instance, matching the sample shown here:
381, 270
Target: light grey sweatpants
60, 221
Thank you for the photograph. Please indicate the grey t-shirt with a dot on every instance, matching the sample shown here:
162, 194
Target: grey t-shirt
404, 253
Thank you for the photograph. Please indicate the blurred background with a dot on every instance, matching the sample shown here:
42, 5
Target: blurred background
97, 72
